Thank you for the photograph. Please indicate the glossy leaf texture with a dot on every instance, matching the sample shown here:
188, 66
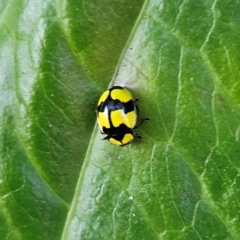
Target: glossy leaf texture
58, 180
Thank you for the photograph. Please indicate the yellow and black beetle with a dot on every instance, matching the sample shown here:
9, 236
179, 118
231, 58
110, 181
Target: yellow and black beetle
117, 115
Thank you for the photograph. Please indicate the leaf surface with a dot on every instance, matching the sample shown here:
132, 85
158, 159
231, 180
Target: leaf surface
58, 180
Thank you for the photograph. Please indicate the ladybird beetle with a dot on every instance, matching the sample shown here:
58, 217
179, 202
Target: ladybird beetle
117, 116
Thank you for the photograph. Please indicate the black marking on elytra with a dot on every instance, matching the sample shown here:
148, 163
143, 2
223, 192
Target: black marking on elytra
116, 104
115, 87
122, 129
120, 136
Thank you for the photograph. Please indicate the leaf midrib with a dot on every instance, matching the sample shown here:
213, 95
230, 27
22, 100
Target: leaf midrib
95, 130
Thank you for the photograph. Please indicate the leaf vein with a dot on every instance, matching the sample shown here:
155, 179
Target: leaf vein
214, 21
178, 95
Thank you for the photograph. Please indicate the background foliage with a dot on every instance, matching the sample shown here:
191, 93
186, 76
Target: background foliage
58, 180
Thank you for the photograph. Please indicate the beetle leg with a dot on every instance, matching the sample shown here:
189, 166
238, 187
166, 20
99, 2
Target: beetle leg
142, 121
105, 138
136, 100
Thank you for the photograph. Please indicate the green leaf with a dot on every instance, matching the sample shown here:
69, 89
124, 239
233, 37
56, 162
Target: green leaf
58, 180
